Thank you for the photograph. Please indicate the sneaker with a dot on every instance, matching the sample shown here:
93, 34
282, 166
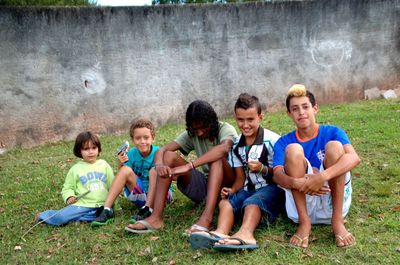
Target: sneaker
106, 217
142, 214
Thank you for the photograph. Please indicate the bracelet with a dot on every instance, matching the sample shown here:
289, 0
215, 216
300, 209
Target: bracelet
192, 164
262, 169
158, 165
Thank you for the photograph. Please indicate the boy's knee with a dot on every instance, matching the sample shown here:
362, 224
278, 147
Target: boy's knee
294, 152
224, 204
333, 150
216, 164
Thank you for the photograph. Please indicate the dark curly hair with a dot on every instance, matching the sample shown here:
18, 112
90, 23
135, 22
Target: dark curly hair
82, 139
201, 111
246, 101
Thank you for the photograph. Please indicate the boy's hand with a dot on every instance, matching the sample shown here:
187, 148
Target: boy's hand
225, 192
181, 169
163, 171
314, 185
71, 200
122, 157
254, 165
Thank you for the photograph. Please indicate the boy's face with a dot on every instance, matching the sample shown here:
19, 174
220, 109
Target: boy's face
143, 140
89, 152
302, 112
248, 121
200, 129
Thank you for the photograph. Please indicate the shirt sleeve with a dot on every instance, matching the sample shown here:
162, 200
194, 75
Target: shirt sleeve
279, 152
69, 187
227, 132
341, 136
233, 160
273, 138
185, 143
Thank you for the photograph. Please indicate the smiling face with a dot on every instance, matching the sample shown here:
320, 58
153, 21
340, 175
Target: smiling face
302, 112
142, 138
89, 152
248, 121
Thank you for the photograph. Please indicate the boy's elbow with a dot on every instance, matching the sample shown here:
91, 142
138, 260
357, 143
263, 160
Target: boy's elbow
357, 160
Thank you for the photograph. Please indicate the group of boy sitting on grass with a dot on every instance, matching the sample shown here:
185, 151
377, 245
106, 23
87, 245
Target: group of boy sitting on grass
256, 176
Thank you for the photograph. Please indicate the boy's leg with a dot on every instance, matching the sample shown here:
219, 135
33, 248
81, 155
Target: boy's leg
295, 166
152, 188
226, 218
333, 151
220, 173
269, 200
155, 220
70, 213
228, 209
125, 176
251, 219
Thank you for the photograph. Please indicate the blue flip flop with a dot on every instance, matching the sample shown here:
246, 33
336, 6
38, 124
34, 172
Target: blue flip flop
242, 245
203, 240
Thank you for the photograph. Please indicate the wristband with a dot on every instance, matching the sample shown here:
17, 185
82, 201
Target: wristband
158, 165
262, 169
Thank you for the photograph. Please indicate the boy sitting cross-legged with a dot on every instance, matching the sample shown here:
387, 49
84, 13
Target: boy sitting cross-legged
136, 176
251, 156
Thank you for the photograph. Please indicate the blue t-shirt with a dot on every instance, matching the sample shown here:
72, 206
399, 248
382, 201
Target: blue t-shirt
314, 149
141, 165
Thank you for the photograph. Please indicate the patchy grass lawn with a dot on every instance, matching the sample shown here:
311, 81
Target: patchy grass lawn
31, 181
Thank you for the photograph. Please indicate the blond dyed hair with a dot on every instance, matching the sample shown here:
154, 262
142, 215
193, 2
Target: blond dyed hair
299, 90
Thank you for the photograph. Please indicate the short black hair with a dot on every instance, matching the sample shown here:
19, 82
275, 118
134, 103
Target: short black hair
82, 139
202, 111
246, 101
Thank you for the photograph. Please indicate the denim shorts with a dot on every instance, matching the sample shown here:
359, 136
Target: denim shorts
270, 199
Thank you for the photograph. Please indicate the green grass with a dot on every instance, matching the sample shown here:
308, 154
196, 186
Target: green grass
31, 181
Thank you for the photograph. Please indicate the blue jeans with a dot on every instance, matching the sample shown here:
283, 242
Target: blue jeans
70, 213
270, 199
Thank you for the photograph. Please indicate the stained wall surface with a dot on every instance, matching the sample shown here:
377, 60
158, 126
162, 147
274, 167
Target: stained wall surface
65, 70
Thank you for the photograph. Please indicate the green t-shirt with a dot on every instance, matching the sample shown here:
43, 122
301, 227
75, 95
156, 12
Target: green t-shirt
200, 146
83, 177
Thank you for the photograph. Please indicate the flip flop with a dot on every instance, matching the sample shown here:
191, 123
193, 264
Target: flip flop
195, 228
301, 241
340, 241
203, 240
148, 228
242, 245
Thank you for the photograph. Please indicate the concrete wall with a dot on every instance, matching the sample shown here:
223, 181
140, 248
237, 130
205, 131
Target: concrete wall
64, 70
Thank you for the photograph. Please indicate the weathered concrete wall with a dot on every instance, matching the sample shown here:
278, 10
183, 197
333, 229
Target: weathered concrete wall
64, 70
